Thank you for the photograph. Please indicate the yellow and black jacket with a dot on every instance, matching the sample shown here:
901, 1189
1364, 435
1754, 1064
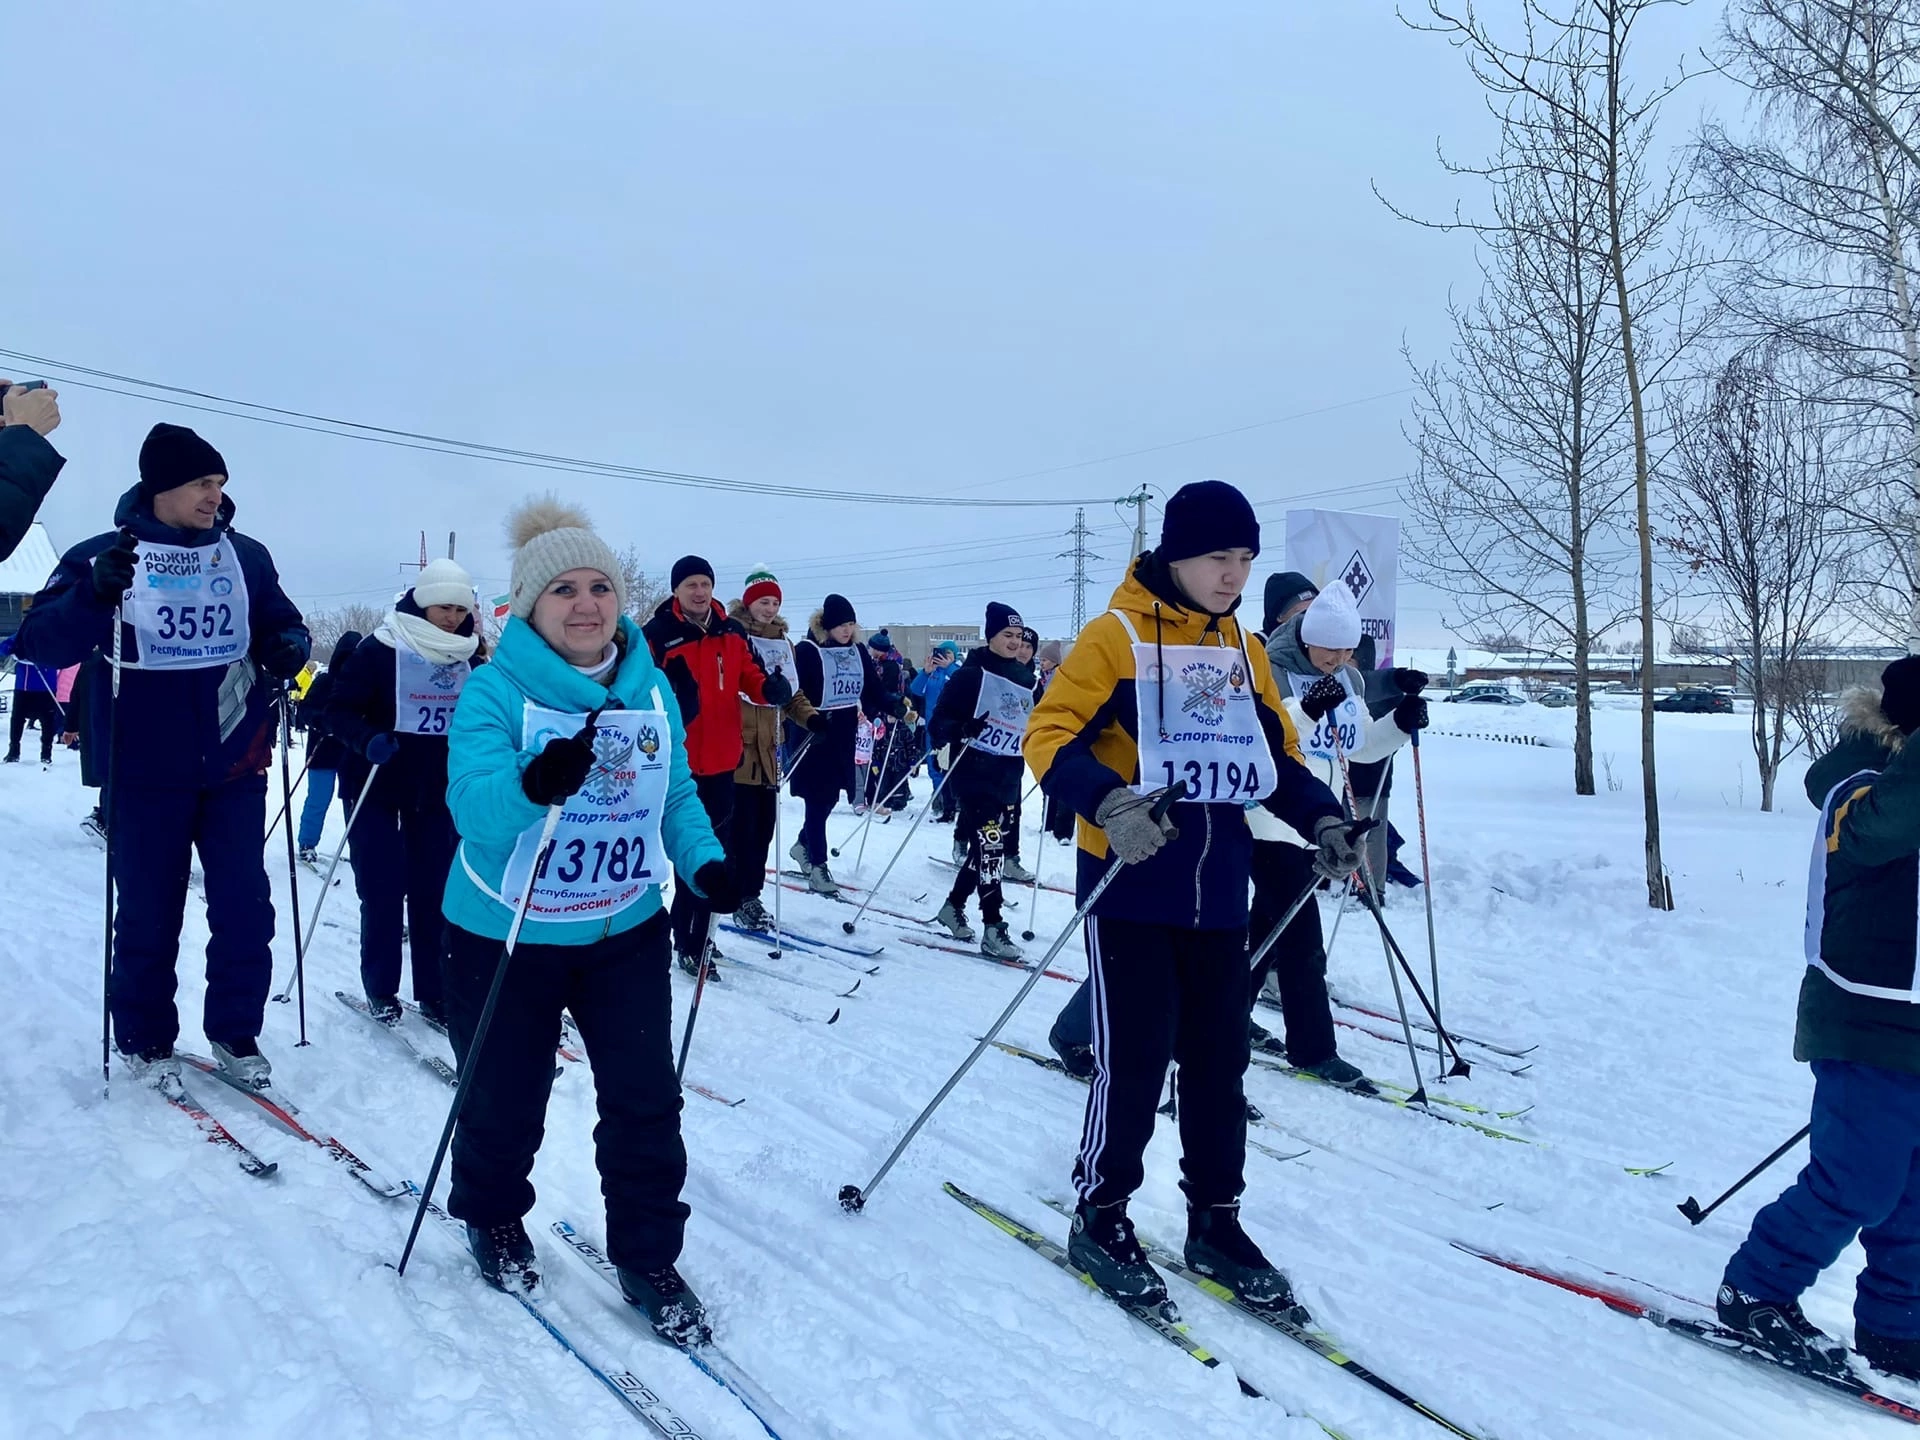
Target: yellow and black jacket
1858, 998
1082, 743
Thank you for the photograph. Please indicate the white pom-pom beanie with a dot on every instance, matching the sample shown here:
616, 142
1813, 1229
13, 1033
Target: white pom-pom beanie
443, 583
1331, 622
550, 538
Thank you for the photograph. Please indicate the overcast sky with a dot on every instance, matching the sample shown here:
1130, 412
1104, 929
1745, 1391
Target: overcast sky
920, 248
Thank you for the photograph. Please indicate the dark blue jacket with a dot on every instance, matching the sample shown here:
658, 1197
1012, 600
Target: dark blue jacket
987, 780
27, 676
28, 467
169, 735
359, 707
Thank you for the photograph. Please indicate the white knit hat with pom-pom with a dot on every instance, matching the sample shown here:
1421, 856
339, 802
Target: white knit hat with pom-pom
550, 538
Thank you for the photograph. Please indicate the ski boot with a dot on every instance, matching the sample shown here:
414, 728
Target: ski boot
1102, 1247
797, 852
1012, 872
1218, 1248
752, 915
157, 1066
997, 944
1261, 1038
243, 1061
96, 824
1782, 1329
13, 759
1890, 1356
506, 1256
674, 1311
435, 1014
1076, 1059
1336, 1071
309, 855
954, 921
387, 1009
691, 964
820, 880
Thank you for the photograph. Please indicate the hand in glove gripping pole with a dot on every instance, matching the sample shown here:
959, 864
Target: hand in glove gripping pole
1323, 697
1338, 857
1134, 830
561, 767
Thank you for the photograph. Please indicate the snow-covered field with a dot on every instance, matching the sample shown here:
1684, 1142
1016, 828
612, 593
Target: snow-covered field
152, 1289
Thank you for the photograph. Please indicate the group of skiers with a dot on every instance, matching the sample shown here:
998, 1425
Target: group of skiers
536, 799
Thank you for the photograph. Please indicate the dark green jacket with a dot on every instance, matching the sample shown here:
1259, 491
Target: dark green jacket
1863, 933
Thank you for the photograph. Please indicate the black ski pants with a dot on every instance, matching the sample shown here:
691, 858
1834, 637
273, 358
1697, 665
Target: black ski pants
984, 827
400, 861
619, 994
754, 809
1298, 959
1163, 993
40, 707
690, 912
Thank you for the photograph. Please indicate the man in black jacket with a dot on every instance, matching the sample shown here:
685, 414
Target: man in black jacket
28, 464
1859, 1027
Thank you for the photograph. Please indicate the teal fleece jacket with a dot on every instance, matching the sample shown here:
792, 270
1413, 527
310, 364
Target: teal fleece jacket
485, 763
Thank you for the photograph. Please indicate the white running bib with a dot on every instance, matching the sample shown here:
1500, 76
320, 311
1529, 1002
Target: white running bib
843, 678
188, 606
1212, 737
1345, 722
775, 654
606, 849
424, 693
1006, 706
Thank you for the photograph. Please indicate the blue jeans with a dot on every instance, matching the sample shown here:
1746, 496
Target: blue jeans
313, 815
1862, 1177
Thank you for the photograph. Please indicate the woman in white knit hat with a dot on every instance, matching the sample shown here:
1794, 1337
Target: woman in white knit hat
572, 712
390, 706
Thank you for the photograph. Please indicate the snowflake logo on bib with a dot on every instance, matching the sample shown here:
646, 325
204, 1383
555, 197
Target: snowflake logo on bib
1010, 708
612, 777
1206, 700
445, 677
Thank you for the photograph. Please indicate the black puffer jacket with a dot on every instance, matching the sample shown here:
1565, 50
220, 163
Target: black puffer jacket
325, 750
28, 467
1861, 919
984, 779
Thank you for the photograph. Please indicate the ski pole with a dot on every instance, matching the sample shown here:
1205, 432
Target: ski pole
1367, 898
886, 761
872, 810
848, 925
699, 989
1419, 1095
1691, 1208
853, 1198
285, 806
470, 1066
1306, 894
779, 855
112, 799
326, 886
1039, 859
1426, 877
293, 879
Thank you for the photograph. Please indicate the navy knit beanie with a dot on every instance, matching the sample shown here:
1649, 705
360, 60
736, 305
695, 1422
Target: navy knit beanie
1205, 516
836, 611
1900, 693
1000, 617
689, 565
172, 456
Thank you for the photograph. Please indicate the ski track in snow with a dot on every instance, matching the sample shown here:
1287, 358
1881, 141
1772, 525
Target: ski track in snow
155, 1290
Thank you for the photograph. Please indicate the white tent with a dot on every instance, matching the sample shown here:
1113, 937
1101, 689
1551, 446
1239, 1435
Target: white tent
28, 569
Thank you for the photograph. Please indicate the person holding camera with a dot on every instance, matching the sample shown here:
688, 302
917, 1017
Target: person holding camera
206, 642
28, 463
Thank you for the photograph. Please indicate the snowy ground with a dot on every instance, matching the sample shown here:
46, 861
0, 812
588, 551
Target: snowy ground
154, 1290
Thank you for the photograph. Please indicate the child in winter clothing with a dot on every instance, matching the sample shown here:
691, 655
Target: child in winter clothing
1859, 1027
759, 777
390, 704
839, 679
982, 716
571, 713
925, 688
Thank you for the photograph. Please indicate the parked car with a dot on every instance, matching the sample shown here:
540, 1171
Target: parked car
1555, 697
1474, 689
1695, 702
1488, 697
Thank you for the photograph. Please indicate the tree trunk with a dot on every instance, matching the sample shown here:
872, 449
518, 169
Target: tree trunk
1577, 572
1657, 894
1897, 270
1764, 755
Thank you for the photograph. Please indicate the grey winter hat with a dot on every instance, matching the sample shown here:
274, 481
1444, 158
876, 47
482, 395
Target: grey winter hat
550, 538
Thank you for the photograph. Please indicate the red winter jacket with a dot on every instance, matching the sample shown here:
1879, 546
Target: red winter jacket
709, 670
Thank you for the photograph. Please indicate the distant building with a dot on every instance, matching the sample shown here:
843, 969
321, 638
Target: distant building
916, 642
24, 574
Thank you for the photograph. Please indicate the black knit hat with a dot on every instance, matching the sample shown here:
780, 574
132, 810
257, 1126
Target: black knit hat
1282, 590
1000, 617
1030, 637
1900, 693
172, 456
836, 611
689, 565
1205, 516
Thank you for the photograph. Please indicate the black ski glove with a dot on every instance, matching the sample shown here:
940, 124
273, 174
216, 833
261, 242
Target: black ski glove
973, 727
381, 748
819, 723
283, 655
1323, 697
1411, 682
560, 769
777, 691
716, 886
113, 569
1410, 714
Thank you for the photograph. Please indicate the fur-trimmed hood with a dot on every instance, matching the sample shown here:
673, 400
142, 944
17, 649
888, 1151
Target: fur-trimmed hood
1860, 714
776, 629
1868, 741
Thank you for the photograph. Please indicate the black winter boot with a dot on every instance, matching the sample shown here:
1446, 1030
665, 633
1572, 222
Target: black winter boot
1782, 1329
1218, 1248
1899, 1358
506, 1256
1077, 1059
1102, 1246
675, 1312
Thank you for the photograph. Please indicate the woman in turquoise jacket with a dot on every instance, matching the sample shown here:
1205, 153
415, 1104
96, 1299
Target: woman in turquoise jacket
572, 713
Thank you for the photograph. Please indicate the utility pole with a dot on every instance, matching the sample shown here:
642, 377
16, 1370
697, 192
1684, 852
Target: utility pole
1139, 502
452, 535
1079, 555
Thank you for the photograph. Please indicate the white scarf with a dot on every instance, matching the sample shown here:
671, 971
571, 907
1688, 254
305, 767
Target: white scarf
425, 638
